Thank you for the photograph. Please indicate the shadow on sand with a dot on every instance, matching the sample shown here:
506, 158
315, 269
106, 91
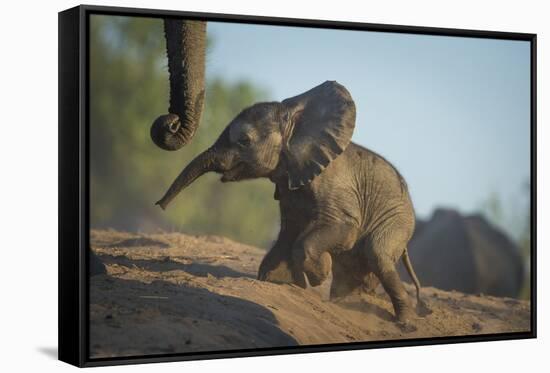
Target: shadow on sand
129, 317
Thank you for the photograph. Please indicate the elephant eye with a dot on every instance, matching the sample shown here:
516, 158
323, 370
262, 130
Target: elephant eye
244, 141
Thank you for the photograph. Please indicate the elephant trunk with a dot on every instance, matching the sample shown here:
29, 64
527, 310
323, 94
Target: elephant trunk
185, 47
205, 162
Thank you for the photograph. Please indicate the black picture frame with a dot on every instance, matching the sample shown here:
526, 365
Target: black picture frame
74, 184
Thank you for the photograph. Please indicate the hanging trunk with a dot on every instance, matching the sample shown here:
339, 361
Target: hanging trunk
185, 47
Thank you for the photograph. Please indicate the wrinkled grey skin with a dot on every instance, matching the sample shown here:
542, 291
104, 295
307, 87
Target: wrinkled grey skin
342, 206
185, 49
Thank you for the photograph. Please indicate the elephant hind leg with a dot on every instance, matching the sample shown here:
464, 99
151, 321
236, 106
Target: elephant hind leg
389, 278
380, 251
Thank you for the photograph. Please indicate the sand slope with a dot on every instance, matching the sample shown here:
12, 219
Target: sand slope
173, 293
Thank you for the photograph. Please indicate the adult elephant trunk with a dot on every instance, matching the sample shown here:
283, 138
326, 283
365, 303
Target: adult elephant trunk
185, 47
205, 162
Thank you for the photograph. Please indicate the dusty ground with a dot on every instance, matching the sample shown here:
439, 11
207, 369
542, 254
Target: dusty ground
173, 293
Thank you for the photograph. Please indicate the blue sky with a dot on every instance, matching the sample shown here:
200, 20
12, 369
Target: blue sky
452, 114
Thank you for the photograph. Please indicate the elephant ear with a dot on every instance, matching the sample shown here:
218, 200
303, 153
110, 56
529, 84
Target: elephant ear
317, 128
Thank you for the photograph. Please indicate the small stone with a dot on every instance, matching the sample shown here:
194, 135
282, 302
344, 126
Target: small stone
476, 327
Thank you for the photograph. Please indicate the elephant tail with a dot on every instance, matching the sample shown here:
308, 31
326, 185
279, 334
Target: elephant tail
408, 265
422, 308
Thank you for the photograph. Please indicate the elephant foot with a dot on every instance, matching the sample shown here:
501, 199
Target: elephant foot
279, 275
279, 278
404, 320
422, 309
406, 327
283, 274
404, 313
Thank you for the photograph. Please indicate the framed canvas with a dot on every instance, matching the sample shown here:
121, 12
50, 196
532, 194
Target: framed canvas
235, 186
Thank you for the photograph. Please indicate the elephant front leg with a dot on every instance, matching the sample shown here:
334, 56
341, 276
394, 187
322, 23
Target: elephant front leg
275, 266
311, 252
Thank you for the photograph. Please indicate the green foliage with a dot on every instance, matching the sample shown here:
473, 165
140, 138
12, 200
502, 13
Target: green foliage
128, 173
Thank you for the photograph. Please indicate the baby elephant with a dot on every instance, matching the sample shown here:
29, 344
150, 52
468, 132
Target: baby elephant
343, 208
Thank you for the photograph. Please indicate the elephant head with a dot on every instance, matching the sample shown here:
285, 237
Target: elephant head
185, 47
297, 138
